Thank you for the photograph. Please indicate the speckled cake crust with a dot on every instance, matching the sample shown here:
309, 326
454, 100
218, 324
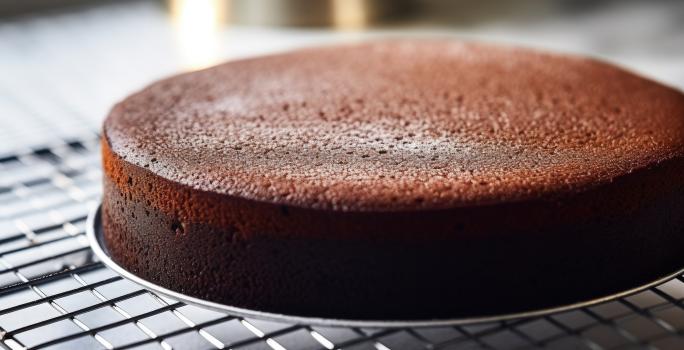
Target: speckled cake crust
398, 179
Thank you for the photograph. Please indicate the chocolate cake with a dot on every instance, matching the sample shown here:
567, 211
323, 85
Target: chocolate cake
401, 179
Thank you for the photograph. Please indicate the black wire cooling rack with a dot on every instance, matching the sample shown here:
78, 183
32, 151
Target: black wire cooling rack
55, 294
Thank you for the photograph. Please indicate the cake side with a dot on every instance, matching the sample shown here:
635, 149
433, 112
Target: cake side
624, 196
363, 266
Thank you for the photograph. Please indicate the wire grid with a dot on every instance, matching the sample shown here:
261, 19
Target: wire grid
55, 294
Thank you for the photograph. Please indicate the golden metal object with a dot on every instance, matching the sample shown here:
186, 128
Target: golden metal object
342, 14
345, 14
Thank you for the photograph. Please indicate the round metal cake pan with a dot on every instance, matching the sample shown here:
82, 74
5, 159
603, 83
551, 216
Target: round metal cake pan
96, 238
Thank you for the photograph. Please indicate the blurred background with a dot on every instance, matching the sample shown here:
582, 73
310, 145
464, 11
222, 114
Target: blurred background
63, 63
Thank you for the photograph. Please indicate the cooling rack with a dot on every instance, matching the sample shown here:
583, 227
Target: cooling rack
55, 294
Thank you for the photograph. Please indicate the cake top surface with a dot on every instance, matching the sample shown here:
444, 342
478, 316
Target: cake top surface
399, 125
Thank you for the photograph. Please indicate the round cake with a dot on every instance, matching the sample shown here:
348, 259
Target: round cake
400, 179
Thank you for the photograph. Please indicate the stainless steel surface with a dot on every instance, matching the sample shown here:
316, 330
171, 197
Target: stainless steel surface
60, 73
